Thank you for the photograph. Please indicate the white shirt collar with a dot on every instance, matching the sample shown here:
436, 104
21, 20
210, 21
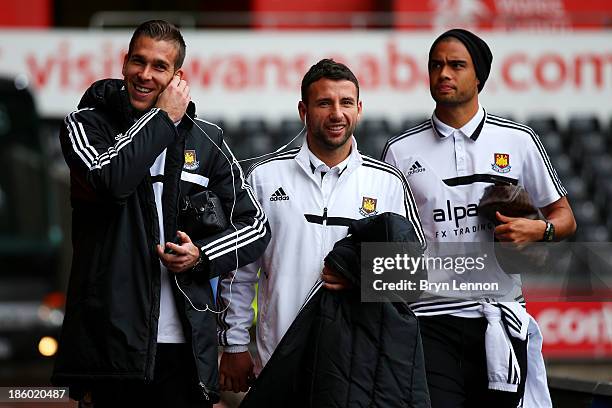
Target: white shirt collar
471, 129
310, 162
317, 164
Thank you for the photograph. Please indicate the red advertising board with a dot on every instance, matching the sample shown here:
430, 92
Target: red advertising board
574, 330
503, 14
33, 13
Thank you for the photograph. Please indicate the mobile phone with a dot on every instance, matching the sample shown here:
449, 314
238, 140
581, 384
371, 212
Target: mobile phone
177, 241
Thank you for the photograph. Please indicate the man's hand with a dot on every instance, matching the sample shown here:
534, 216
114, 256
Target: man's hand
174, 99
235, 371
519, 230
333, 280
184, 256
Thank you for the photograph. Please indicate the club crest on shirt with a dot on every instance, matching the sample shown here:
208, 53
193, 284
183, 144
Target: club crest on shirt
368, 206
191, 161
501, 162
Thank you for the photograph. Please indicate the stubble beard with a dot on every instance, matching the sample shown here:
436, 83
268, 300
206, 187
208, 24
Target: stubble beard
332, 144
456, 99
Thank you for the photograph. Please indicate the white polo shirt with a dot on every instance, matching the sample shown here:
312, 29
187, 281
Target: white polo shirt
448, 170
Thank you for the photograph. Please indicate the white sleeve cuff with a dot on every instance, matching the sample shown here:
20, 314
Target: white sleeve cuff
238, 348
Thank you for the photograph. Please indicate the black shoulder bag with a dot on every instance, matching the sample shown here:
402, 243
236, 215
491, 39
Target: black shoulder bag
201, 215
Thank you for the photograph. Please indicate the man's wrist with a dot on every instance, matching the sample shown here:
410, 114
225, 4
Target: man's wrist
549, 232
201, 258
237, 348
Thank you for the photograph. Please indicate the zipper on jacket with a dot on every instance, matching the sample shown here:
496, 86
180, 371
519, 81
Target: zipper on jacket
178, 206
152, 346
204, 390
324, 234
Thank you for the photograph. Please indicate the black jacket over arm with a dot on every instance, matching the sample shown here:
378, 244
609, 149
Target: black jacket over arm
340, 352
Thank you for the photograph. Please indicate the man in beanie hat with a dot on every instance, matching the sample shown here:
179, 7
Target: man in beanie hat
475, 347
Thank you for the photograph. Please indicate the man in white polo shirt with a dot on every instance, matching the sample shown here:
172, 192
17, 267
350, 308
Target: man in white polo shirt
310, 196
449, 161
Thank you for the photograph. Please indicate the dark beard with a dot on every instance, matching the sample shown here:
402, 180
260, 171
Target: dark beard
320, 136
457, 100
451, 102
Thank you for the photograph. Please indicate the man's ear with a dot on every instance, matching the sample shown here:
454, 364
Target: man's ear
302, 111
180, 73
124, 67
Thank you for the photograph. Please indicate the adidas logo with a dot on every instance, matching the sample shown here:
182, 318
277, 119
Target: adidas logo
416, 168
279, 195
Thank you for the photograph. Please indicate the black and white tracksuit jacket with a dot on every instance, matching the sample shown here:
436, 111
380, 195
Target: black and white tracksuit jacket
112, 310
305, 224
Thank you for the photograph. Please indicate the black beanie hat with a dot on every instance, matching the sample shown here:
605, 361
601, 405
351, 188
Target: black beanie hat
478, 49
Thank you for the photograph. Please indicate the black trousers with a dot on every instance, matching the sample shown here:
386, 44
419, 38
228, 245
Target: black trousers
174, 385
456, 366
